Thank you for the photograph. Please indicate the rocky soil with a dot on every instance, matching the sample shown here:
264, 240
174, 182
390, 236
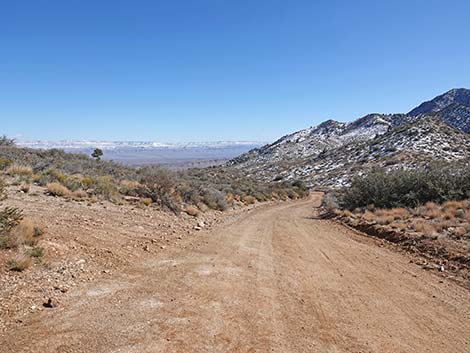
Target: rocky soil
85, 242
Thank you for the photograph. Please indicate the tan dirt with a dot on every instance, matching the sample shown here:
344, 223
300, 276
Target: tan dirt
272, 279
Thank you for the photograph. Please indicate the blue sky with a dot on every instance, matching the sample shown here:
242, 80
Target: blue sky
220, 69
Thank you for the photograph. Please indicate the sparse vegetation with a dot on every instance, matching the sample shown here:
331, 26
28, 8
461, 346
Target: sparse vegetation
20, 263
77, 177
19, 234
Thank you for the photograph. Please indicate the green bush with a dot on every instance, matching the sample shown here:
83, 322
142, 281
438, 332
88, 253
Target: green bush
408, 188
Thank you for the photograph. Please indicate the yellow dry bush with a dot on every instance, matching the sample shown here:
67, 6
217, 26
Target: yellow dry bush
25, 233
20, 263
421, 226
86, 182
20, 170
192, 211
56, 189
147, 201
369, 216
248, 200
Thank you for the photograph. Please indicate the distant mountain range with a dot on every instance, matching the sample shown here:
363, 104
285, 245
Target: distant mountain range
331, 153
74, 145
138, 153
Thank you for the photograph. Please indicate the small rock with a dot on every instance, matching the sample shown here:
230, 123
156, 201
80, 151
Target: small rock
197, 228
162, 247
441, 268
147, 248
49, 304
33, 308
79, 262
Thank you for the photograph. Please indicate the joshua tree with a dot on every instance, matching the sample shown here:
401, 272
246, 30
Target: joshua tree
97, 153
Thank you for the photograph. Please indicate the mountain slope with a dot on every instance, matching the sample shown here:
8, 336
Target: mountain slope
456, 95
328, 135
453, 107
330, 153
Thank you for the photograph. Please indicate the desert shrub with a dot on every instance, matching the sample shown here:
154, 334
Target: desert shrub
87, 182
73, 183
106, 187
24, 187
24, 233
20, 263
192, 210
4, 163
214, 199
56, 189
408, 188
159, 185
10, 217
147, 201
36, 252
300, 188
19, 170
3, 189
248, 200
188, 193
51, 175
129, 187
79, 194
330, 201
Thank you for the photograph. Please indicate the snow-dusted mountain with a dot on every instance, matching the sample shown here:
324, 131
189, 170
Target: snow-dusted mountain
346, 148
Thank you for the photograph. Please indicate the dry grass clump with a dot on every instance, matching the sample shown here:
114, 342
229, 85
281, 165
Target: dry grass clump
129, 187
4, 163
79, 195
147, 201
24, 238
460, 231
19, 170
369, 216
432, 210
399, 225
56, 189
466, 215
421, 226
87, 182
248, 200
192, 210
452, 218
25, 233
20, 263
24, 187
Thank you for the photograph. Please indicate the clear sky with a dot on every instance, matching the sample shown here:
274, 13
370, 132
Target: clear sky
220, 69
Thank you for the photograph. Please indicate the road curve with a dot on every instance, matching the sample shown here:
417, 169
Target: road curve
270, 280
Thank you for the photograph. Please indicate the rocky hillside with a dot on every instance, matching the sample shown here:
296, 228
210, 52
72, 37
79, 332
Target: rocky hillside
330, 153
453, 107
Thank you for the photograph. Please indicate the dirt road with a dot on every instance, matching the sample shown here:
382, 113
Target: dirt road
269, 280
